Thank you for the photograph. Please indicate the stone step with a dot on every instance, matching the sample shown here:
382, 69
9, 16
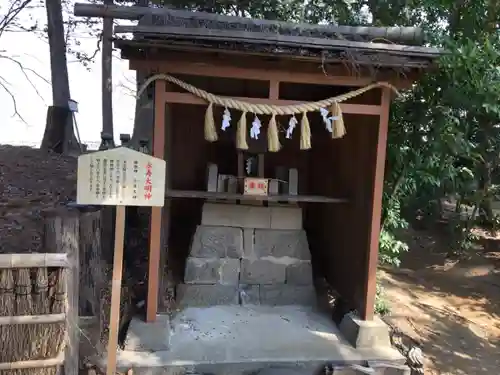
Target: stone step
158, 363
199, 295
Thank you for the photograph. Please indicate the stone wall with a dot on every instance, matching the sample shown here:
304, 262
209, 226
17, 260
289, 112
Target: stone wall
248, 255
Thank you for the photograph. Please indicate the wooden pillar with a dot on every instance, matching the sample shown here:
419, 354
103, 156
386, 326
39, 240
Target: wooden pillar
165, 281
368, 308
156, 212
61, 235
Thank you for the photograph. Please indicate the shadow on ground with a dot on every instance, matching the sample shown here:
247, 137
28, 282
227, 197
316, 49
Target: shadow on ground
451, 307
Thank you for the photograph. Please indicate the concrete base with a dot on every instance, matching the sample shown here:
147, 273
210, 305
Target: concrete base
240, 340
365, 334
143, 336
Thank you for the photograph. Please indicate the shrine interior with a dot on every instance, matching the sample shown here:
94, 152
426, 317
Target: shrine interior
333, 168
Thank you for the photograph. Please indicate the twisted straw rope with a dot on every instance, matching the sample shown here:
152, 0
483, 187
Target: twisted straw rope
262, 109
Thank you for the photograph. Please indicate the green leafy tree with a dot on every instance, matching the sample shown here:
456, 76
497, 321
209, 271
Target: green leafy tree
443, 137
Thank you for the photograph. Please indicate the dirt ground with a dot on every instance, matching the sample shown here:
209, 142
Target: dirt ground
32, 182
451, 307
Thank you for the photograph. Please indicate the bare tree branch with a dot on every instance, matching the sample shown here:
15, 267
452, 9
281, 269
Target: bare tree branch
14, 8
7, 20
24, 70
4, 84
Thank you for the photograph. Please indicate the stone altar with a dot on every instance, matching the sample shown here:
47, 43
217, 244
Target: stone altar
248, 255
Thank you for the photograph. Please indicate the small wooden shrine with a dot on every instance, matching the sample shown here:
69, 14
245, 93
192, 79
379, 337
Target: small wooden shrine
262, 112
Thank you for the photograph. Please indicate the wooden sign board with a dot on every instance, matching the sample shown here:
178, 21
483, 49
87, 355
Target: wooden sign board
121, 177
255, 186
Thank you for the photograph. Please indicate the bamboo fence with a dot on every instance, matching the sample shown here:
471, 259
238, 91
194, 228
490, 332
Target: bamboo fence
39, 331
42, 296
34, 311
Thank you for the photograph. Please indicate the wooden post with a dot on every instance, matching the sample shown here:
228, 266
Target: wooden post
114, 315
156, 212
92, 264
107, 75
368, 308
61, 235
166, 282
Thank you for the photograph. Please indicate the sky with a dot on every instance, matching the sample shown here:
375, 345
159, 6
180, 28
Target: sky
32, 51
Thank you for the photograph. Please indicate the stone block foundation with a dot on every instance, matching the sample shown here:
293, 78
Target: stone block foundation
248, 255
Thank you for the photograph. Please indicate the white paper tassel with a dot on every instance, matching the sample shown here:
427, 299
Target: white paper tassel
291, 126
226, 119
255, 129
328, 120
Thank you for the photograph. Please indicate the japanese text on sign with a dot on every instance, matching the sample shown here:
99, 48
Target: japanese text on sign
120, 176
148, 184
256, 186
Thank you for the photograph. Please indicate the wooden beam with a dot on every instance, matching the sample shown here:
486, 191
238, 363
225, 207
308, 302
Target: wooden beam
154, 49
156, 212
32, 319
274, 94
196, 194
188, 98
274, 89
263, 74
406, 35
34, 364
107, 75
278, 39
368, 308
33, 260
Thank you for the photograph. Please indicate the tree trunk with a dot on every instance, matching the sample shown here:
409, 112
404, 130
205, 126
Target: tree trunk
60, 80
485, 208
107, 76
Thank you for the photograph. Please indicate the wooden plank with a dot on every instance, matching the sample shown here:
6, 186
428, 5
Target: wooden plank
230, 71
34, 364
93, 264
188, 98
278, 39
70, 277
212, 179
165, 279
61, 235
261, 166
368, 308
158, 50
114, 315
293, 181
33, 260
32, 319
155, 238
221, 183
274, 89
274, 190
232, 185
272, 198
241, 164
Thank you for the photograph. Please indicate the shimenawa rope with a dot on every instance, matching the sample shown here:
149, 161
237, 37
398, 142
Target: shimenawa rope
267, 109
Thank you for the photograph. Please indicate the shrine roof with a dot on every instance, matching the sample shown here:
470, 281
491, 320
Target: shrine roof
162, 28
